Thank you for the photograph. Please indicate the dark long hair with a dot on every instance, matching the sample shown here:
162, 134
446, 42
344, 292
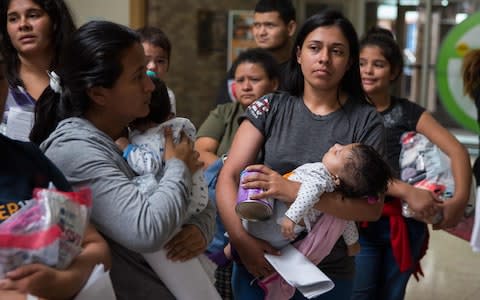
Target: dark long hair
367, 173
160, 107
351, 82
63, 27
92, 57
385, 41
261, 57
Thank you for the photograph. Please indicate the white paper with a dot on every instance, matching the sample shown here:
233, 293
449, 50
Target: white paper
475, 239
19, 124
300, 272
185, 280
99, 286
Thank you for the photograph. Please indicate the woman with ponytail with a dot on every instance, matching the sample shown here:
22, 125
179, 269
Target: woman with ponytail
102, 87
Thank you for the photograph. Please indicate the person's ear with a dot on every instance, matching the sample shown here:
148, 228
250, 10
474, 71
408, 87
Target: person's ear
275, 84
336, 180
394, 74
97, 94
291, 28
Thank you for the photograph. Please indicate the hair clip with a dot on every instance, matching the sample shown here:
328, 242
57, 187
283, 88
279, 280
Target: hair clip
372, 199
55, 82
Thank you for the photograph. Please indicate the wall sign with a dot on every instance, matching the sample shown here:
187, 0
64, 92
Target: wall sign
461, 38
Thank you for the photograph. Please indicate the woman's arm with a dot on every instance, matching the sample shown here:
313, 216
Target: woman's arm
194, 237
121, 212
453, 208
276, 186
245, 147
207, 148
49, 283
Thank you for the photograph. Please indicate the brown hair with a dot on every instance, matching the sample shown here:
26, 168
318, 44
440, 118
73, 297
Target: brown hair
471, 73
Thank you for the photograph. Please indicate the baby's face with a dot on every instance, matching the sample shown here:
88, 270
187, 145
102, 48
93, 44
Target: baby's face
157, 59
336, 158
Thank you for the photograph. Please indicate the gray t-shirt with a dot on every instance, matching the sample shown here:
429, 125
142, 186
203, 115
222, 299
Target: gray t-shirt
295, 136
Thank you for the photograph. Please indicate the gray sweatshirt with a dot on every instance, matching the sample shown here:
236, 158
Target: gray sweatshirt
131, 222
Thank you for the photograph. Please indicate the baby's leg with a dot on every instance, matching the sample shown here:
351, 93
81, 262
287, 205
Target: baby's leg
350, 235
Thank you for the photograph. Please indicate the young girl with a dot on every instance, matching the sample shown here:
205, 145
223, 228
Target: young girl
326, 106
392, 246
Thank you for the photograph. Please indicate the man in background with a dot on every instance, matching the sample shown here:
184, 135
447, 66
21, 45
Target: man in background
273, 27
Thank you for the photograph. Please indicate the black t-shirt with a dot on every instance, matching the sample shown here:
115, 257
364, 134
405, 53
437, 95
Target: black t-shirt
24, 167
401, 116
295, 136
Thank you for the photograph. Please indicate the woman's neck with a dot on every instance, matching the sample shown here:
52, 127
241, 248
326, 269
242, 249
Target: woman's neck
323, 102
38, 63
381, 100
112, 128
33, 72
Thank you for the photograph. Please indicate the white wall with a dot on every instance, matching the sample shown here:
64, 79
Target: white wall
112, 10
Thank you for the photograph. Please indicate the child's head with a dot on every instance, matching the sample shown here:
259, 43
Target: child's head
379, 48
256, 74
471, 73
157, 48
358, 170
160, 107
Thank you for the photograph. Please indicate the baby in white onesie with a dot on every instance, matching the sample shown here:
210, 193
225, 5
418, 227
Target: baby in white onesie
355, 170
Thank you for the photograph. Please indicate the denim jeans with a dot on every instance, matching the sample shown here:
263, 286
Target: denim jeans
246, 288
377, 275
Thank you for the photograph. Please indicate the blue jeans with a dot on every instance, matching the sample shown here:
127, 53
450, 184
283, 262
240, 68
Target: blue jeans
245, 287
377, 275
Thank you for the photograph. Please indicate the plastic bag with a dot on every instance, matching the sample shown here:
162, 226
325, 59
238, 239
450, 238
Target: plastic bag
48, 230
424, 165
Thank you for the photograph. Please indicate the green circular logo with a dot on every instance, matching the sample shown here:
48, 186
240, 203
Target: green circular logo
460, 39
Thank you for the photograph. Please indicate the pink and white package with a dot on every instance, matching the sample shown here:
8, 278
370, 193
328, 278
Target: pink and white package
48, 230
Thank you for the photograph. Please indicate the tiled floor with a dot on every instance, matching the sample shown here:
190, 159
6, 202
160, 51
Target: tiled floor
452, 271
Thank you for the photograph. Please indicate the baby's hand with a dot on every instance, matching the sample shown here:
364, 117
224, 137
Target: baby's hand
287, 228
122, 143
183, 151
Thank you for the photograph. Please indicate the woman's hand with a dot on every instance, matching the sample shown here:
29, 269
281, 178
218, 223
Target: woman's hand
34, 279
251, 251
186, 244
183, 151
453, 211
272, 184
424, 203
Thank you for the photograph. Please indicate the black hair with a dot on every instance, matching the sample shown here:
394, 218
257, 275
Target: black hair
160, 107
385, 41
92, 57
285, 9
366, 173
351, 82
471, 74
63, 27
156, 37
261, 57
